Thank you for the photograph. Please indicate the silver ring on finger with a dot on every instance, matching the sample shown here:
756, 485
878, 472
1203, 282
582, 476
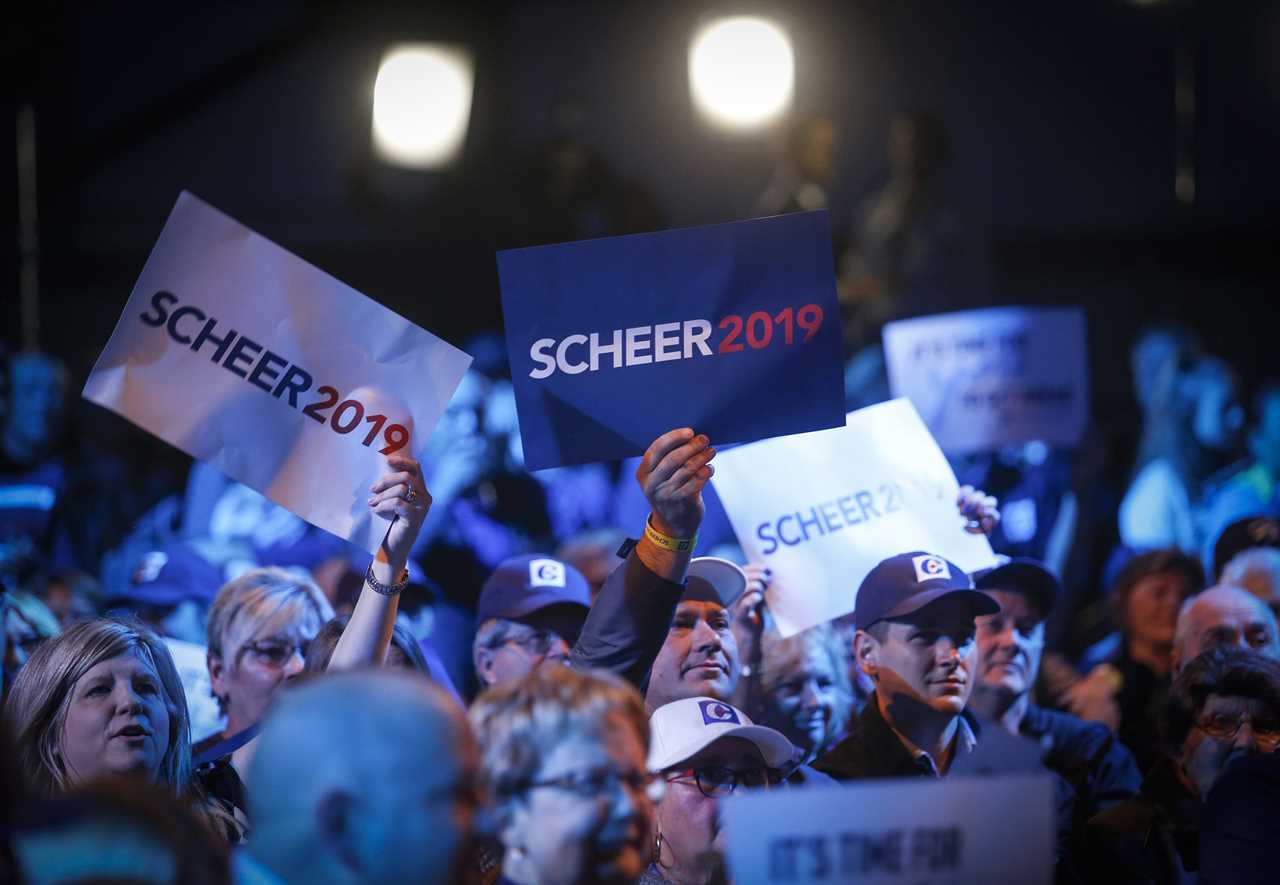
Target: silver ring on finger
411, 495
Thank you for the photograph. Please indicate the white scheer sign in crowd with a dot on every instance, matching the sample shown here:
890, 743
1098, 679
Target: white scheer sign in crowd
243, 355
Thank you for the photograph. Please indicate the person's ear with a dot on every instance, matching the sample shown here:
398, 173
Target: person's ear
484, 660
335, 827
866, 651
217, 673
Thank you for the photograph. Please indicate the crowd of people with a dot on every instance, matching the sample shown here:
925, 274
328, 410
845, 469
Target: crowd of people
237, 711
557, 677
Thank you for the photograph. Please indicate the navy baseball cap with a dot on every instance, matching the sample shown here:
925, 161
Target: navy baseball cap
522, 585
908, 582
1022, 575
171, 575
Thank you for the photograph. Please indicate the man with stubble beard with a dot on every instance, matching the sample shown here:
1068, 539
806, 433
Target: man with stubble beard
915, 617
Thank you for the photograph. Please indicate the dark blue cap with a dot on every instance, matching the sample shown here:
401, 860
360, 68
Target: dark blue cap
1022, 575
308, 551
172, 574
522, 585
908, 582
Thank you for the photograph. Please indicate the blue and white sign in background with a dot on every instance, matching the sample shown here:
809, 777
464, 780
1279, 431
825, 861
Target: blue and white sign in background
732, 329
243, 355
822, 509
983, 379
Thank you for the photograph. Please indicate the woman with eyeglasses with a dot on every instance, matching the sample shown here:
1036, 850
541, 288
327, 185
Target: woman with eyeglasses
259, 627
562, 762
262, 623
704, 750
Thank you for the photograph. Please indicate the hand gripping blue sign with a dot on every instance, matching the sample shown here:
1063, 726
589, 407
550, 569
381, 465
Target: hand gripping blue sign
732, 329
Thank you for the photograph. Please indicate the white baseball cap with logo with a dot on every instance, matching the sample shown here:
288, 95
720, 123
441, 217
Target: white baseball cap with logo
682, 728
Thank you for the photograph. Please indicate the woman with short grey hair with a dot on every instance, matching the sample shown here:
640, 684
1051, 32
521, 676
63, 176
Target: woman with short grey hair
562, 758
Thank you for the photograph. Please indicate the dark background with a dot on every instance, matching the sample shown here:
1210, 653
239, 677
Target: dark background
1060, 117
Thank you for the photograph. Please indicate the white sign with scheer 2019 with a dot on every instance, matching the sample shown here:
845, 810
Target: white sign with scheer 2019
822, 509
245, 356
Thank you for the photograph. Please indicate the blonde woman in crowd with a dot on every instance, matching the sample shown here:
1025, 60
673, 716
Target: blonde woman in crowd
103, 701
259, 627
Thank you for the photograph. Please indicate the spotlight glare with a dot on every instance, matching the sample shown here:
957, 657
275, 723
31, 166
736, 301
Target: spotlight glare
742, 72
421, 104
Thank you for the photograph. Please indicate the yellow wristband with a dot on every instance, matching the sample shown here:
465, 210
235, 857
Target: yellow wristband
666, 542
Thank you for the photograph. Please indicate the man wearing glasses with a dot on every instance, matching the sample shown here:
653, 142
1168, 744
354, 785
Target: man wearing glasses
1224, 704
704, 749
530, 612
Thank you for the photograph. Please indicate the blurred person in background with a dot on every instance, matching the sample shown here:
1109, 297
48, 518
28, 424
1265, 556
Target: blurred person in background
1160, 358
804, 171
360, 777
1241, 536
804, 689
565, 189
1128, 673
1225, 704
594, 553
404, 653
1224, 616
704, 750
1163, 506
118, 832
1250, 488
34, 480
563, 763
530, 612
1097, 767
908, 254
1039, 506
71, 595
170, 590
1257, 571
26, 622
486, 508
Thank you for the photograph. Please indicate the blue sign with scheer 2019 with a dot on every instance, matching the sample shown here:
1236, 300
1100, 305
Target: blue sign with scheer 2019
732, 329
